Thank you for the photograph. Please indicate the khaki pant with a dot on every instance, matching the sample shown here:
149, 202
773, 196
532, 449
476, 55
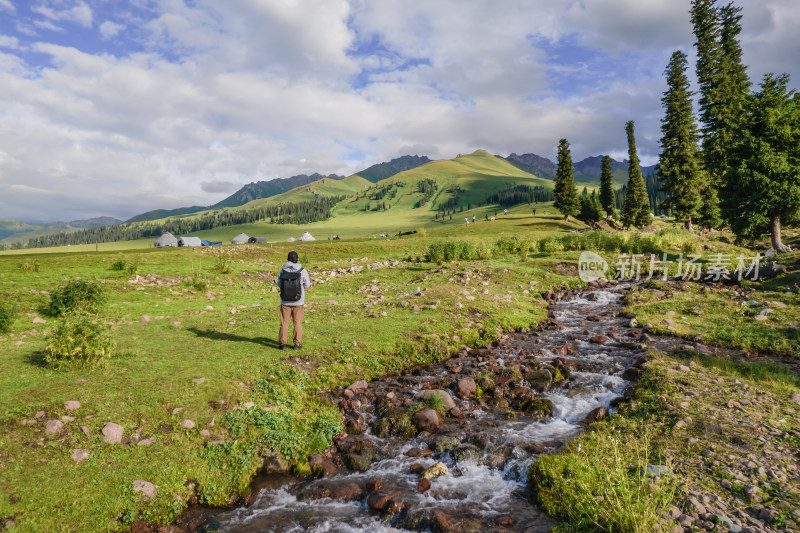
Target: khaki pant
293, 313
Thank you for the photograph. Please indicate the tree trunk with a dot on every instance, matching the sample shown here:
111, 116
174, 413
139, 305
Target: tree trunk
566, 217
777, 244
688, 224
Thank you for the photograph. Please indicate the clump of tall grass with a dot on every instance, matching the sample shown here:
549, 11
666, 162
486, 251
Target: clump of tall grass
29, 266
633, 243
79, 340
7, 316
455, 250
604, 488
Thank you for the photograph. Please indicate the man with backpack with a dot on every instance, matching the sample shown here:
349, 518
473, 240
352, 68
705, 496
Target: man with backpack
293, 281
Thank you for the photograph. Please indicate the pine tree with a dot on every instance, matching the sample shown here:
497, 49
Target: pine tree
679, 161
763, 190
566, 195
636, 211
607, 186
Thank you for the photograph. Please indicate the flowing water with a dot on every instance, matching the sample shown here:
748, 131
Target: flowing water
485, 489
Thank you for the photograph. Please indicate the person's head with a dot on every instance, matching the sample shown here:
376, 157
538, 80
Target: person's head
292, 257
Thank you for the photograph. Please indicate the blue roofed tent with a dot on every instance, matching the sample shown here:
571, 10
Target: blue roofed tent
209, 243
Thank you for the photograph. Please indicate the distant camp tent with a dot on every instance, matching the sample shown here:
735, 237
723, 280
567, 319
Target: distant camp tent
306, 236
240, 239
167, 240
291, 239
209, 243
189, 241
257, 240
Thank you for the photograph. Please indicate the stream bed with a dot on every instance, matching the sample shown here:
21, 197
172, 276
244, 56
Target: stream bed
526, 395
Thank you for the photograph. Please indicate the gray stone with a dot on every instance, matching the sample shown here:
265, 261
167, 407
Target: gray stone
359, 387
795, 397
427, 419
655, 470
79, 455
274, 463
187, 423
53, 427
72, 405
145, 442
727, 523
112, 433
199, 380
444, 443
145, 488
447, 400
466, 388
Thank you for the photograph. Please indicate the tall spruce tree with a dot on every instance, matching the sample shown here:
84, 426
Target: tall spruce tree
607, 186
723, 91
762, 191
679, 162
566, 195
636, 210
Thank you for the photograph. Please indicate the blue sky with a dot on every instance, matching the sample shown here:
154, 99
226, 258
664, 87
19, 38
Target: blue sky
118, 107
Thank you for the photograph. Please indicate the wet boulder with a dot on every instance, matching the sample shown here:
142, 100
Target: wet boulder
427, 419
443, 395
380, 499
361, 461
598, 413
359, 387
274, 463
437, 470
536, 407
540, 379
466, 388
321, 466
444, 443
394, 421
466, 453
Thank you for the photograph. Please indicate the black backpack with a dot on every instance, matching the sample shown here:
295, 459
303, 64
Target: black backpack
292, 287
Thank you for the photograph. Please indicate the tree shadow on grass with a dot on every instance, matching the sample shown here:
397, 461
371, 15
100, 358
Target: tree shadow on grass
219, 336
36, 358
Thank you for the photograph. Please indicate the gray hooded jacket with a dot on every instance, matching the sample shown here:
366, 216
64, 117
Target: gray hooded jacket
288, 266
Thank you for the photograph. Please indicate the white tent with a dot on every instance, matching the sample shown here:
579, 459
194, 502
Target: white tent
240, 239
306, 236
166, 241
189, 241
291, 239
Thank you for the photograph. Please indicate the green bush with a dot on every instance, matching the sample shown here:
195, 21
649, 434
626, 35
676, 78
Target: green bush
7, 316
119, 264
512, 245
78, 341
77, 295
223, 264
452, 250
29, 266
130, 267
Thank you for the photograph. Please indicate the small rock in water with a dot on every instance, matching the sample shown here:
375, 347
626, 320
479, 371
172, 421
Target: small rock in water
437, 470
447, 400
358, 387
423, 485
427, 419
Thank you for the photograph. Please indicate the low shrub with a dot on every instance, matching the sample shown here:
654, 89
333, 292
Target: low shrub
223, 264
7, 316
512, 245
77, 295
79, 340
453, 250
119, 264
29, 266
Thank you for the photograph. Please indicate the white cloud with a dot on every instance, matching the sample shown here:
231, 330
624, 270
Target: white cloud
7, 5
109, 29
224, 93
80, 14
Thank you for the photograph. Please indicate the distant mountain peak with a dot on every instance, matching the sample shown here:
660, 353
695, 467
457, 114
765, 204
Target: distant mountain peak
382, 171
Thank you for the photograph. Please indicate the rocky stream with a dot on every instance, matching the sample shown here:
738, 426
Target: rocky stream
447, 447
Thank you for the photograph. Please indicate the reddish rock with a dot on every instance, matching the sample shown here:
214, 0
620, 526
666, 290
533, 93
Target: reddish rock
593, 318
348, 394
416, 469
443, 522
349, 491
321, 466
395, 506
599, 339
379, 499
419, 452
354, 427
505, 521
594, 415
374, 485
359, 387
423, 485
466, 388
427, 419
549, 295
455, 412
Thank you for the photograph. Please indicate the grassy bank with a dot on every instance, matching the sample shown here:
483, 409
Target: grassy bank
194, 343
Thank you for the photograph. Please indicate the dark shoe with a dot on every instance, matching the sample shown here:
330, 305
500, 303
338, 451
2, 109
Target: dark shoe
281, 346
298, 346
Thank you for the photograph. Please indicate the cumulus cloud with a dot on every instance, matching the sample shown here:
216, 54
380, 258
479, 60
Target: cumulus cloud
109, 29
6, 5
80, 14
194, 98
